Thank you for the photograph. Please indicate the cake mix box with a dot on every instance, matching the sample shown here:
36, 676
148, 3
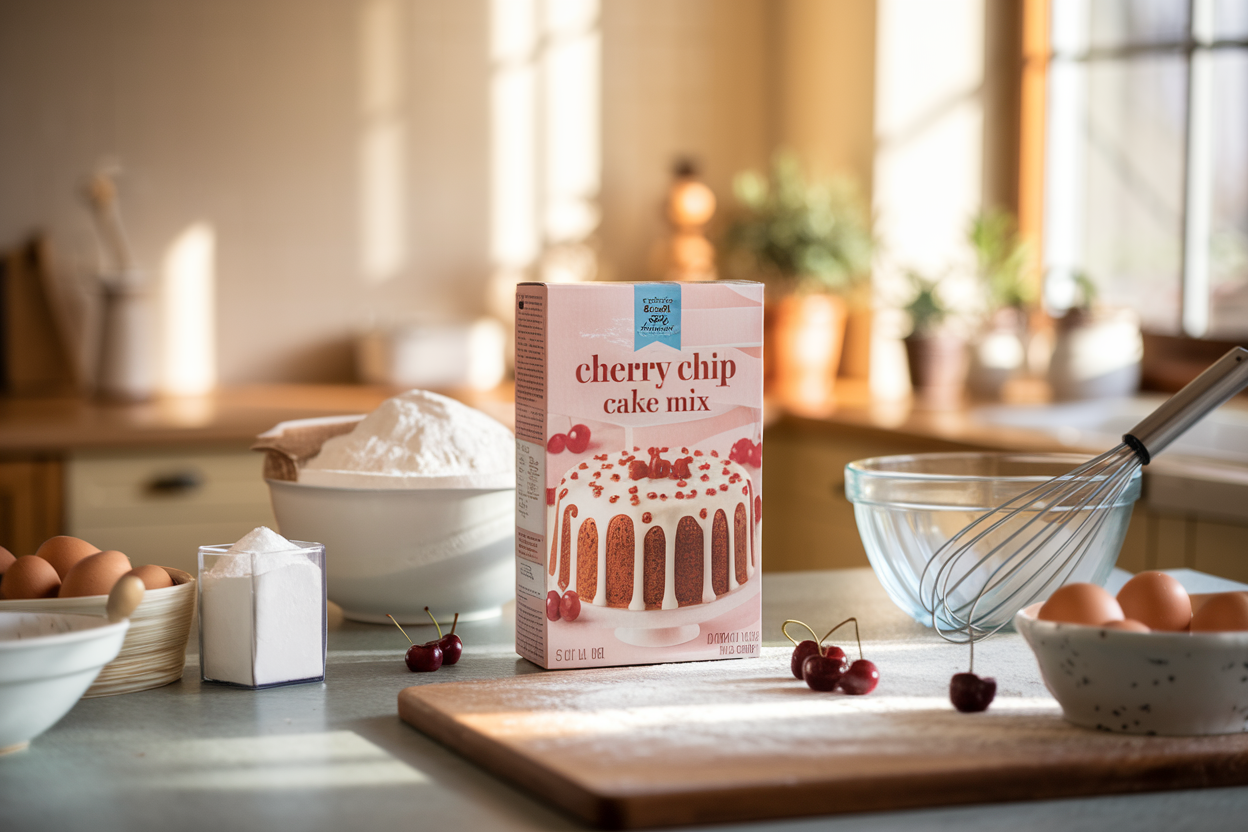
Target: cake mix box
638, 472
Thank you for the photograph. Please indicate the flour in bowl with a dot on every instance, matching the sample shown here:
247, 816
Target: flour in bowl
262, 611
418, 440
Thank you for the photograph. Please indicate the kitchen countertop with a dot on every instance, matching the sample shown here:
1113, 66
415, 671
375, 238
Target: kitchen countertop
234, 415
231, 415
335, 755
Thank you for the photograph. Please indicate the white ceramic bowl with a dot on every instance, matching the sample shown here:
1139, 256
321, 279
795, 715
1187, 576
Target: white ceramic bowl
1170, 684
47, 661
399, 550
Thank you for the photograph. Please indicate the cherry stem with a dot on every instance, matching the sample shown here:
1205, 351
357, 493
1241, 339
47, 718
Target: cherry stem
401, 630
435, 622
784, 629
856, 635
453, 623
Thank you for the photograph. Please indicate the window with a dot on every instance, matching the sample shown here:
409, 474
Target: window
1146, 160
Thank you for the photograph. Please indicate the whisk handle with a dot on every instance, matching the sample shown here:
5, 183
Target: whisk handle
1223, 379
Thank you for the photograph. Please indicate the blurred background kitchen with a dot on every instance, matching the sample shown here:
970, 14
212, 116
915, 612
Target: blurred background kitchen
1002, 224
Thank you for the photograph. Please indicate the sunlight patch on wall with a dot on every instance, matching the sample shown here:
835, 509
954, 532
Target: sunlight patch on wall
188, 351
383, 157
573, 144
546, 143
514, 242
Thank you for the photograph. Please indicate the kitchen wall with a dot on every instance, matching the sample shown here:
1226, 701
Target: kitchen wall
329, 161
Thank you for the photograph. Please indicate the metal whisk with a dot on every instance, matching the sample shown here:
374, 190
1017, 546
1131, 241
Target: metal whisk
1018, 552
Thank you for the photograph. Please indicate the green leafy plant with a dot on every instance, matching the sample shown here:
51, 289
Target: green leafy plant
927, 310
1002, 260
795, 233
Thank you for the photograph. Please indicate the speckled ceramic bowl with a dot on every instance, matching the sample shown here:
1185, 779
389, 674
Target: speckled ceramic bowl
1173, 684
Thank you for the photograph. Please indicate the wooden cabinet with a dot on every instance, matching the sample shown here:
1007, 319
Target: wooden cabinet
807, 521
30, 503
160, 506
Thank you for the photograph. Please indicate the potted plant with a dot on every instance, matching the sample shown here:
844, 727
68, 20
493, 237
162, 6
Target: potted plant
809, 241
935, 348
1002, 268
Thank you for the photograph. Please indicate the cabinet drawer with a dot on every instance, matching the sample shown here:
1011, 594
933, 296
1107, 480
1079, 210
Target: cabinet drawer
160, 507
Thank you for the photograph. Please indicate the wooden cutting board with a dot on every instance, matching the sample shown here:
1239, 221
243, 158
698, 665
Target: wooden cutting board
743, 740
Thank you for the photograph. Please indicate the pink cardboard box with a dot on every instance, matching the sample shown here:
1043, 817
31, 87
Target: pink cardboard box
639, 435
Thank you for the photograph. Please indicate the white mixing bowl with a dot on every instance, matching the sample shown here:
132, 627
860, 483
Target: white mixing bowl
399, 550
47, 661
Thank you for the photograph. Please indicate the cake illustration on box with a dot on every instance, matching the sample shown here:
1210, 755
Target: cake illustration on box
653, 534
638, 472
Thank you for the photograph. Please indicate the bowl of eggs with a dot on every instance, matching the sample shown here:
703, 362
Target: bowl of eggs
71, 576
1153, 660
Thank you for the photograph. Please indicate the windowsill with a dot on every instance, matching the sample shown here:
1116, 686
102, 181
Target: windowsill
1171, 361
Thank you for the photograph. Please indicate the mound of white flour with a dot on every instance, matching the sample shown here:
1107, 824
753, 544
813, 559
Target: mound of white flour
418, 440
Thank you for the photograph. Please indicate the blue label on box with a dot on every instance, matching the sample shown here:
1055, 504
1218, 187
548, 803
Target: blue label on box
656, 314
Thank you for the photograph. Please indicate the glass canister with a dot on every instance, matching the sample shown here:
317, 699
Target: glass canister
262, 615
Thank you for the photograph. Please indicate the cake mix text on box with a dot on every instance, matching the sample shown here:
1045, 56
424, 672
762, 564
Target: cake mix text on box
638, 472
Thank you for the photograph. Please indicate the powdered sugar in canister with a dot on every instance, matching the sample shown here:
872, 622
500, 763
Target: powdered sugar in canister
262, 615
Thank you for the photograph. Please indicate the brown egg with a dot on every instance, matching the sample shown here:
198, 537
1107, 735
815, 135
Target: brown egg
63, 552
95, 574
1222, 613
1127, 625
6, 559
29, 577
1158, 600
1081, 604
153, 577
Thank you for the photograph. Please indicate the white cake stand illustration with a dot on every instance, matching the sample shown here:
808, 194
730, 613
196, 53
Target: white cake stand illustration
667, 628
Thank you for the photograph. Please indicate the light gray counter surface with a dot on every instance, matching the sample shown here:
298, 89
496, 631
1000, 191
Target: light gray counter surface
335, 755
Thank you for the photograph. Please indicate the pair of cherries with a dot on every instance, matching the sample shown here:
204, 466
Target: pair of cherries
827, 668
566, 607
428, 657
575, 440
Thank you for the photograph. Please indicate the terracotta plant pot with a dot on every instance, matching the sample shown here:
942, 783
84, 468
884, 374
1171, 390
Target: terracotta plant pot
938, 368
803, 337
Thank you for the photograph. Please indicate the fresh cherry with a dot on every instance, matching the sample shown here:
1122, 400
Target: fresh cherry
424, 658
862, 677
552, 605
822, 673
420, 658
968, 692
803, 651
971, 694
569, 606
451, 644
578, 439
556, 443
825, 668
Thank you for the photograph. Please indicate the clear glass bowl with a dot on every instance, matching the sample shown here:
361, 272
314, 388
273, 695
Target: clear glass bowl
907, 507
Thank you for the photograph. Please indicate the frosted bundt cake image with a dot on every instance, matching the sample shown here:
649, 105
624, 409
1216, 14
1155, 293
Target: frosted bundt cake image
674, 530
